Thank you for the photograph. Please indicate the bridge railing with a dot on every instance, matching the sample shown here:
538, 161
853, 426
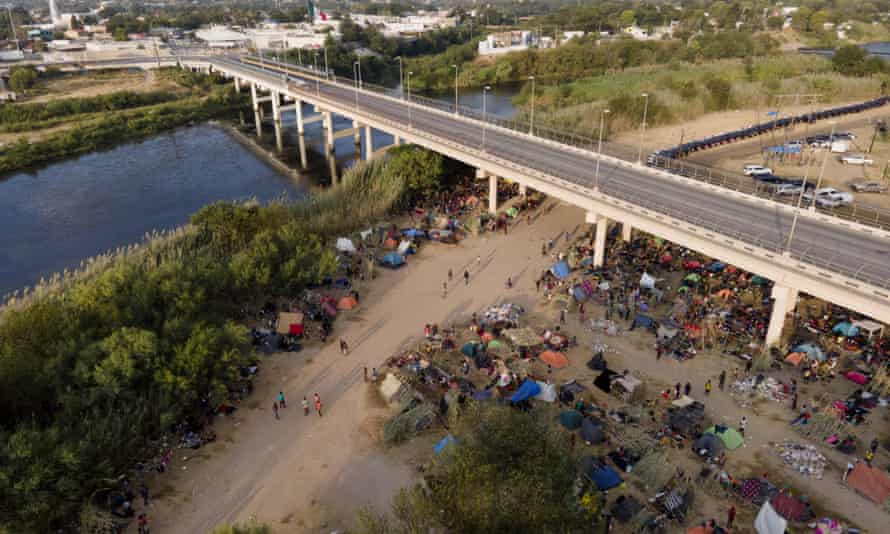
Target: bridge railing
857, 212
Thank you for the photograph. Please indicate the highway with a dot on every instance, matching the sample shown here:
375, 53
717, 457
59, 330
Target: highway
855, 254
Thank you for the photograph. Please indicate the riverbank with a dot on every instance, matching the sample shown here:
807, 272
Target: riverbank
250, 143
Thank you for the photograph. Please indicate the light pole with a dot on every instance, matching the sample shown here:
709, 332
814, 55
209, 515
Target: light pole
822, 169
531, 123
355, 77
408, 83
299, 57
643, 126
803, 187
485, 91
599, 150
456, 71
358, 62
401, 78
315, 72
326, 71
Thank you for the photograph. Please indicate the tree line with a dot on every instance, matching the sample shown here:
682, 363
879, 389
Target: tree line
19, 114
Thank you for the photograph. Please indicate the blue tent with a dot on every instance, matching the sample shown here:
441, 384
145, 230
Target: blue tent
560, 269
413, 233
482, 394
439, 447
846, 329
716, 266
579, 293
470, 349
811, 350
393, 259
527, 390
643, 321
606, 478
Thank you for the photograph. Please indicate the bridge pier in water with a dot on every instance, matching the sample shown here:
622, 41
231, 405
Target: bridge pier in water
257, 116
276, 119
369, 143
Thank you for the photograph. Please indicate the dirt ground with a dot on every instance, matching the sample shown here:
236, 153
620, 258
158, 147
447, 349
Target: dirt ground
312, 474
98, 83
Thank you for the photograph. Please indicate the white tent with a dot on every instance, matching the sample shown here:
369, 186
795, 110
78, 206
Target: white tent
646, 281
345, 245
548, 392
768, 521
869, 327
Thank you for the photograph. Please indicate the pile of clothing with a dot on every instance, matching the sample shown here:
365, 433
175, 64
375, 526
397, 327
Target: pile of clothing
765, 387
803, 458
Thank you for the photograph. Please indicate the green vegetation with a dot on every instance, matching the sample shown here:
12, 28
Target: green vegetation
22, 78
96, 365
507, 471
250, 528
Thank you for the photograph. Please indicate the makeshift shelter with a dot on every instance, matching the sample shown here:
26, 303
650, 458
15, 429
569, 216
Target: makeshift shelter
870, 328
560, 269
856, 377
769, 522
290, 323
643, 321
470, 349
646, 281
791, 508
523, 337
811, 350
709, 446
626, 384
392, 388
871, 482
496, 345
345, 245
730, 436
845, 329
592, 431
347, 303
606, 478
604, 380
688, 419
393, 260
502, 316
692, 278
390, 243
548, 392
555, 359
413, 233
405, 248
512, 212
444, 442
527, 390
571, 419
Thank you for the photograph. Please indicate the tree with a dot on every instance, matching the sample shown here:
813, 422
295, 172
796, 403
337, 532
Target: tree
849, 60
22, 78
720, 93
800, 20
120, 34
422, 168
775, 23
627, 18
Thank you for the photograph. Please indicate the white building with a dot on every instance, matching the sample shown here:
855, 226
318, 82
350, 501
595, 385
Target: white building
282, 39
407, 25
221, 37
506, 42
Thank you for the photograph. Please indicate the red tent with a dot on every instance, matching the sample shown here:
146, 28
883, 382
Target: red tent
870, 482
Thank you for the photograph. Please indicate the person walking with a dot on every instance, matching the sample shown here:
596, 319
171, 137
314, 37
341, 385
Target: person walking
478, 261
305, 406
450, 275
869, 456
366, 373
659, 350
466, 277
722, 381
344, 347
275, 409
743, 422
318, 404
281, 402
748, 365
538, 285
677, 391
444, 290
687, 389
562, 316
730, 517
708, 387
848, 470
143, 491
794, 401
509, 283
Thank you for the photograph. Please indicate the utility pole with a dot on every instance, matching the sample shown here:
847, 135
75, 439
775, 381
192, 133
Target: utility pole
874, 136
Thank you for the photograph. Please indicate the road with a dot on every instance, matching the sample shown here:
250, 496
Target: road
821, 244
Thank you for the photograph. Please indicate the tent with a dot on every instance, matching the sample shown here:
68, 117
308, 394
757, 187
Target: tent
604, 380
345, 245
470, 349
643, 321
716, 266
791, 508
496, 345
548, 392
393, 260
871, 482
769, 522
512, 211
413, 233
628, 383
708, 445
405, 248
592, 431
845, 329
527, 390
730, 436
555, 359
811, 350
692, 278
560, 269
347, 303
439, 447
871, 328
570, 419
857, 377
646, 281
606, 478
290, 323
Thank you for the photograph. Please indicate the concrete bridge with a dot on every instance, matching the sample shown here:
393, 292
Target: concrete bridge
798, 249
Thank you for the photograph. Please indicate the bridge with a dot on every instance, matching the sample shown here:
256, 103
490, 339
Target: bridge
837, 260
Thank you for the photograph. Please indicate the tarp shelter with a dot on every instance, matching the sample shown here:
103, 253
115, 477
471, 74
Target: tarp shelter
790, 507
555, 359
405, 248
496, 345
857, 377
439, 447
604, 380
646, 281
795, 358
606, 478
683, 402
413, 233
393, 259
527, 390
470, 349
811, 350
629, 383
871, 482
769, 522
708, 445
692, 278
512, 211
592, 431
522, 337
845, 329
548, 392
730, 436
870, 328
643, 321
570, 419
390, 243
347, 303
290, 323
345, 245
716, 266
560, 269
392, 388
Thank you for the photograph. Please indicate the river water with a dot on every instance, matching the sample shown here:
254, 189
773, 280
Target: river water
53, 217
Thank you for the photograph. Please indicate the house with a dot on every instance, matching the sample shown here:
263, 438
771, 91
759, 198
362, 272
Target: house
506, 42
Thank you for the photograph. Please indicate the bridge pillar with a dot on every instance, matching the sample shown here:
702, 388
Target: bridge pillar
257, 118
599, 241
328, 132
396, 140
492, 193
369, 143
299, 109
356, 132
276, 118
237, 85
783, 301
626, 232
301, 140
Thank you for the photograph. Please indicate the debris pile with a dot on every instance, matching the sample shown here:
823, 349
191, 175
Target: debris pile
803, 458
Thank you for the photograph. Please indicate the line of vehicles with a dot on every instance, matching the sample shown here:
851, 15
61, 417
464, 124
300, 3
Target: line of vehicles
824, 197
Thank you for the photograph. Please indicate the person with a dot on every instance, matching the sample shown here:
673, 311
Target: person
543, 249
659, 350
444, 289
687, 389
722, 379
450, 275
748, 366
318, 404
847, 471
275, 409
465, 367
677, 390
874, 445
742, 423
466, 277
142, 520
344, 347
143, 490
708, 387
281, 402
305, 406
730, 517
509, 283
373, 374
478, 260
366, 373
794, 401
538, 285
869, 456
562, 316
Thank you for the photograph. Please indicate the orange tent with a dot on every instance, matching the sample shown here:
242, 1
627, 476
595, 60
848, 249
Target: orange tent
701, 529
725, 294
871, 482
555, 359
347, 303
795, 358
486, 337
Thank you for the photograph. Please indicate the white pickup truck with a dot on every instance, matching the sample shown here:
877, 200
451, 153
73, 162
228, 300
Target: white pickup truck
856, 159
828, 197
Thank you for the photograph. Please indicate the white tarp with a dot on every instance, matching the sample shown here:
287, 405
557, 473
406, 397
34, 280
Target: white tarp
647, 282
870, 327
345, 245
683, 401
768, 521
629, 383
366, 233
404, 246
548, 392
391, 388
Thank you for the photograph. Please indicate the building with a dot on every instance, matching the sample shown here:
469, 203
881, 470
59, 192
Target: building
283, 39
506, 42
407, 25
222, 37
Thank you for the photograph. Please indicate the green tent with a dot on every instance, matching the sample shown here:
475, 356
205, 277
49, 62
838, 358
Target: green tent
571, 419
730, 437
693, 277
758, 280
682, 289
512, 212
497, 345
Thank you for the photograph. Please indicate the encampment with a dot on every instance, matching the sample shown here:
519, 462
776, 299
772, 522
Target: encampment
730, 436
870, 482
555, 359
345, 245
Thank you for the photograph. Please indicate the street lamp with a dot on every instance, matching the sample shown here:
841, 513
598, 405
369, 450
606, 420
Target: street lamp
315, 72
599, 150
531, 124
358, 62
485, 91
643, 126
355, 78
456, 70
408, 84
326, 71
401, 78
822, 169
803, 187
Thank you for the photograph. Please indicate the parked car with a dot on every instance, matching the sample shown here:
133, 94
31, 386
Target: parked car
856, 159
786, 189
757, 170
849, 136
828, 197
872, 186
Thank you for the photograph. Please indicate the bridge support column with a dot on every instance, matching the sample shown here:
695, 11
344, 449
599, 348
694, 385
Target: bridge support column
492, 193
276, 118
626, 232
783, 301
396, 140
523, 190
369, 143
237, 85
599, 241
304, 162
257, 118
328, 132
299, 109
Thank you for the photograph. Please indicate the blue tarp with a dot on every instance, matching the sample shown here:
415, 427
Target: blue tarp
471, 349
560, 269
393, 259
643, 321
527, 390
482, 394
846, 329
413, 233
439, 447
606, 478
579, 294
716, 266
811, 350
